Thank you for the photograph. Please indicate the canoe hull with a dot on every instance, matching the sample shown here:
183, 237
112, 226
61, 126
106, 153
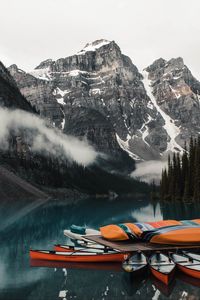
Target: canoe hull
97, 258
165, 278
136, 264
182, 236
188, 271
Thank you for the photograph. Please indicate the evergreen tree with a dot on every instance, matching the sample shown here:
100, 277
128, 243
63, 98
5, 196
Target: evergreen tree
184, 172
196, 172
181, 180
191, 165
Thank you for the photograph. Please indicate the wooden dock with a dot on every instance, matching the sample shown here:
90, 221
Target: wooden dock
130, 246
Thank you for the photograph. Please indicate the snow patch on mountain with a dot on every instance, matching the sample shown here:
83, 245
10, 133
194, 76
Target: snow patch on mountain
43, 74
63, 124
93, 46
59, 92
94, 92
172, 130
145, 130
125, 146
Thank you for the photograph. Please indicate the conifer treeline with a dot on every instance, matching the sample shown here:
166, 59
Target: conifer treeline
181, 180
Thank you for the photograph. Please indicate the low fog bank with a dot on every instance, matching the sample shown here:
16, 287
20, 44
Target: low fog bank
44, 138
149, 170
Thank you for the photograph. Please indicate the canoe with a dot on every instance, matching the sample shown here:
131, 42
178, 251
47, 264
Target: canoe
77, 236
69, 248
191, 255
171, 232
162, 267
89, 244
78, 256
136, 263
120, 232
174, 235
187, 265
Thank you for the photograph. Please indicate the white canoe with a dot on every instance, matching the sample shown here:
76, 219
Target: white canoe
79, 237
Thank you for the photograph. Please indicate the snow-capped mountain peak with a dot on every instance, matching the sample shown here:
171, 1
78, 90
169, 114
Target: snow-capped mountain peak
101, 95
93, 46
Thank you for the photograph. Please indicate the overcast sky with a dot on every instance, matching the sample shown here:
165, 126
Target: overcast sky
34, 30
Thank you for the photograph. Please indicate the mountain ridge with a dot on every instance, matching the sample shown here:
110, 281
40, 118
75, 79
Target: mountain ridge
100, 77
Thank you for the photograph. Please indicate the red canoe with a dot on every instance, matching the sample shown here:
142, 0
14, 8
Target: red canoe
162, 267
187, 265
78, 256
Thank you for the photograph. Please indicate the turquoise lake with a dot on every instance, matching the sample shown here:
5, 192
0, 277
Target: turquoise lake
26, 225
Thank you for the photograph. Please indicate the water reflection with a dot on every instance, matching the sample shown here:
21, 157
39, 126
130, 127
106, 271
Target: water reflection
42, 227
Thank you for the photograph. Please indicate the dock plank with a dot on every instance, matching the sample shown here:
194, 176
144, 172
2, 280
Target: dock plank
130, 246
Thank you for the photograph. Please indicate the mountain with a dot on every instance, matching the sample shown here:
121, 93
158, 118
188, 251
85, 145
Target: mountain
10, 95
176, 94
40, 154
98, 80
39, 93
98, 93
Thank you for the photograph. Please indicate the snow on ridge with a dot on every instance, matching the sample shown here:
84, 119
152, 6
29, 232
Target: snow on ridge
63, 124
145, 130
58, 91
95, 91
74, 72
124, 145
93, 46
150, 105
102, 100
62, 93
43, 74
172, 130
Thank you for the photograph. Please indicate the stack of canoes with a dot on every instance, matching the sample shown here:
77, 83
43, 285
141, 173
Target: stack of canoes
162, 266
169, 232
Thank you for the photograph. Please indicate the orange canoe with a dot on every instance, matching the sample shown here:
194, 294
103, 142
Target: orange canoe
162, 267
187, 265
78, 256
185, 232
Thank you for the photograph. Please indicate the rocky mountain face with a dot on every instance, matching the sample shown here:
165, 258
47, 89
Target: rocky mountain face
99, 94
22, 151
39, 93
177, 93
10, 95
99, 80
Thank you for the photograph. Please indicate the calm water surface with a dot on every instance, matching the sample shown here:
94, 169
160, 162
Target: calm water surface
23, 226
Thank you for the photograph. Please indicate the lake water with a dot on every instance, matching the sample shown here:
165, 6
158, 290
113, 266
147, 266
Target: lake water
24, 225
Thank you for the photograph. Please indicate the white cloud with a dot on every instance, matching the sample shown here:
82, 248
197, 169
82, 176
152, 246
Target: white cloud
149, 170
44, 138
